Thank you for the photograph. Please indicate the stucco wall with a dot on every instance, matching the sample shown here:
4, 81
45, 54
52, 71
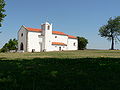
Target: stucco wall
59, 38
22, 39
57, 48
71, 45
34, 41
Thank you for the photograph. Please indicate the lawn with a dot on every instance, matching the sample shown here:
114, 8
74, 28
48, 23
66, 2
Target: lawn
62, 54
68, 70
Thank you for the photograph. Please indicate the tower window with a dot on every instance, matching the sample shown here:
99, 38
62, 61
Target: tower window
48, 27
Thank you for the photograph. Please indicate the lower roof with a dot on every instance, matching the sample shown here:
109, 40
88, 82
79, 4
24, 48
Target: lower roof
59, 43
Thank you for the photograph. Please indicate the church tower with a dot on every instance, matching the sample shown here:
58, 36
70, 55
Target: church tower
47, 36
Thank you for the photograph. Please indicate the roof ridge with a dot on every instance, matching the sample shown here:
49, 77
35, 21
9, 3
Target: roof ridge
54, 32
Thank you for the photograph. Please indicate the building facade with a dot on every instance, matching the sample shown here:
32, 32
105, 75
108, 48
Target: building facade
44, 39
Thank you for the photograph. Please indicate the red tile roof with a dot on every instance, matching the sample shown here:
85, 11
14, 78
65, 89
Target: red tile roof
33, 29
54, 32
59, 33
70, 36
58, 43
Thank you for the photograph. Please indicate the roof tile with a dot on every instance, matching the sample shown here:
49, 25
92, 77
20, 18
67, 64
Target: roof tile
54, 32
58, 43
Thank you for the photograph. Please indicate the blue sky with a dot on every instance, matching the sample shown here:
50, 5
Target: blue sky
74, 17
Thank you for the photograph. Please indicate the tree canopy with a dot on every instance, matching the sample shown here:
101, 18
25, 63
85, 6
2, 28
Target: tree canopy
11, 45
111, 30
82, 43
2, 10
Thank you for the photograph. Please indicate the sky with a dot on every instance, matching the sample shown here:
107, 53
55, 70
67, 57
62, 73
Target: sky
75, 17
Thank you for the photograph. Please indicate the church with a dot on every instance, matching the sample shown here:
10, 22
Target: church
45, 39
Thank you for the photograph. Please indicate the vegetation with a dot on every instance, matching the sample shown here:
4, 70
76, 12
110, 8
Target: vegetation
2, 10
111, 30
63, 54
11, 45
82, 43
60, 74
65, 70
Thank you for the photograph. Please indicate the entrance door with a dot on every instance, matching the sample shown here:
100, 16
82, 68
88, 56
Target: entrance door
21, 46
59, 48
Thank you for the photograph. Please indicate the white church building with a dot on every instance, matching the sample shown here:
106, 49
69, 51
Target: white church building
44, 39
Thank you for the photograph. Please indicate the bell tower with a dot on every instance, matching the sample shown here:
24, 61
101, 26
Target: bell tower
47, 33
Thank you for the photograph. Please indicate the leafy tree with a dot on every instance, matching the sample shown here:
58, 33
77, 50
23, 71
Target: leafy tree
2, 10
82, 43
11, 45
111, 30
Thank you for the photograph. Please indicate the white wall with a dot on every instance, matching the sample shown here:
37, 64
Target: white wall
34, 41
22, 39
60, 38
71, 44
56, 47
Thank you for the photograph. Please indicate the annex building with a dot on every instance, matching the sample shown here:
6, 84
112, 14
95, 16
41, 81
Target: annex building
44, 39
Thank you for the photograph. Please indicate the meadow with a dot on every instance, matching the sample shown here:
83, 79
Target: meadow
67, 70
62, 54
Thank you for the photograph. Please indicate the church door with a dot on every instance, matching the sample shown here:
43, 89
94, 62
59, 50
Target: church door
59, 48
21, 46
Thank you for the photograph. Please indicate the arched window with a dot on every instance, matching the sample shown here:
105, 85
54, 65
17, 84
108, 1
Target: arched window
22, 35
21, 46
48, 27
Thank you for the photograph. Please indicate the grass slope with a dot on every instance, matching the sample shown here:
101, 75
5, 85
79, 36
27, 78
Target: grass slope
63, 54
60, 74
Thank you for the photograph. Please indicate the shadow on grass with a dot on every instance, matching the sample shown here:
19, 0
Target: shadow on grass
60, 74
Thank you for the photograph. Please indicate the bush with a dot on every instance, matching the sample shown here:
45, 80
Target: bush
82, 43
11, 45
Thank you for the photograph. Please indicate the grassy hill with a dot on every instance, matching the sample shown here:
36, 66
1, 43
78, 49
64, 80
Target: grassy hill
63, 54
69, 70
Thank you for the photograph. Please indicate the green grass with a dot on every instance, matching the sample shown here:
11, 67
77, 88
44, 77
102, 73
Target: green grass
68, 70
63, 54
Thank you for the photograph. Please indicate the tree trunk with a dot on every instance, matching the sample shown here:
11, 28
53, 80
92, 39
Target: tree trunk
112, 46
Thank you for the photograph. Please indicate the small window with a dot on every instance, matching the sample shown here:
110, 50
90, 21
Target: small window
55, 36
48, 27
73, 44
22, 35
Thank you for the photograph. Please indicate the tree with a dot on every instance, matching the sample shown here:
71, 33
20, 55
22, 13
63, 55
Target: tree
11, 45
111, 30
82, 43
2, 10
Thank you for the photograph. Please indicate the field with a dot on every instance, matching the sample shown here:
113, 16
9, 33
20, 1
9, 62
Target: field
63, 54
68, 70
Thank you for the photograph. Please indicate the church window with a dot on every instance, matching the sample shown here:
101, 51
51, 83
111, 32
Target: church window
73, 44
48, 27
22, 35
55, 36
